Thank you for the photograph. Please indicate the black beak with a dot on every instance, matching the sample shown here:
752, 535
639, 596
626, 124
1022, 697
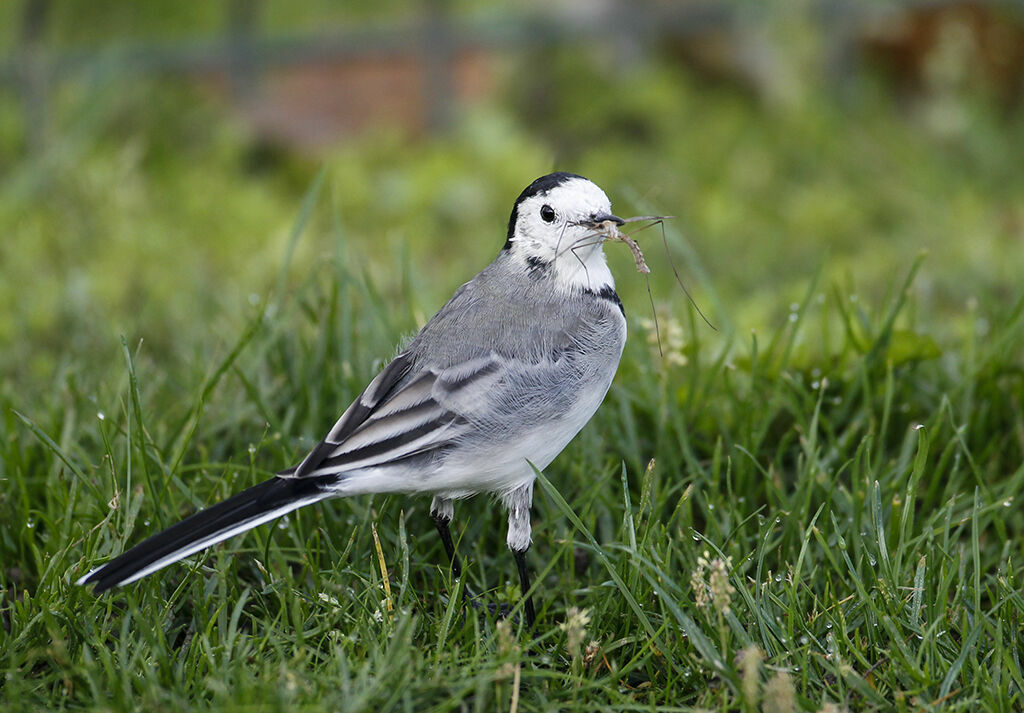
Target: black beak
596, 220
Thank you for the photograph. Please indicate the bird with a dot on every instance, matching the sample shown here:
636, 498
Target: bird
488, 393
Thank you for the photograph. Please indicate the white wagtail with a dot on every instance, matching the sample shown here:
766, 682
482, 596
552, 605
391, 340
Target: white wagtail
495, 384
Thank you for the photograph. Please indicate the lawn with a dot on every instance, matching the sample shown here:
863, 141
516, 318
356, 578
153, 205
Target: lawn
813, 507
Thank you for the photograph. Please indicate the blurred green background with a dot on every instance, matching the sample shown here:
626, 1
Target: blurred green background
155, 157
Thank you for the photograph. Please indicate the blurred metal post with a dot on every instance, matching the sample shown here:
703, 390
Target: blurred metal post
632, 29
437, 47
33, 73
839, 22
243, 61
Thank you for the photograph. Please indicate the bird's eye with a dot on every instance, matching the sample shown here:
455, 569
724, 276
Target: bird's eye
547, 213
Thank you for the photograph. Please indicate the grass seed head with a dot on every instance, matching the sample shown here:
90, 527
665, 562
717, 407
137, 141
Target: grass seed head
715, 590
749, 661
507, 649
506, 639
779, 694
829, 707
671, 345
697, 583
575, 628
718, 583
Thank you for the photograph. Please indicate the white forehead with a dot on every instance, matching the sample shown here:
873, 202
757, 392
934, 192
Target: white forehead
576, 196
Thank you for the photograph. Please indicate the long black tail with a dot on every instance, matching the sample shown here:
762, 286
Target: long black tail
239, 513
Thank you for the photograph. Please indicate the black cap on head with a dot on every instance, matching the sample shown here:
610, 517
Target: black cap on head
541, 185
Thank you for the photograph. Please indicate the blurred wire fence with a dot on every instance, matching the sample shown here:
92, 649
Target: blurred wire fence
430, 62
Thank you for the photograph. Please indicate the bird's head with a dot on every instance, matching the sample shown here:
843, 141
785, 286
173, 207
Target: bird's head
554, 231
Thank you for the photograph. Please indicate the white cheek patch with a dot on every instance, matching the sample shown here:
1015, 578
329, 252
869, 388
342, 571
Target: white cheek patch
571, 249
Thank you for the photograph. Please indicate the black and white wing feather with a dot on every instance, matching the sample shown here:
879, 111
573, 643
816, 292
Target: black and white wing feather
404, 412
399, 415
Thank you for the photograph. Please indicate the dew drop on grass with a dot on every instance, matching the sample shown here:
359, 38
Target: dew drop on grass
252, 449
100, 415
793, 316
778, 578
30, 523
1008, 502
146, 523
872, 560
804, 641
828, 625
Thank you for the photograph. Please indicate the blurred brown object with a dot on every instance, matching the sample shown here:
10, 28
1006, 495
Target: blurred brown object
923, 47
930, 47
307, 106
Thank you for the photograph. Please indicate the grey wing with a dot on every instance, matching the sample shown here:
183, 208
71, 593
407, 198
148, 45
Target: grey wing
403, 412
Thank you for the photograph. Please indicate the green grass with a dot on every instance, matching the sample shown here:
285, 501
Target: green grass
859, 499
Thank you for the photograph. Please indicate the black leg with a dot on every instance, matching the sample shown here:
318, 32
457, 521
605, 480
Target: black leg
441, 522
519, 536
524, 586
